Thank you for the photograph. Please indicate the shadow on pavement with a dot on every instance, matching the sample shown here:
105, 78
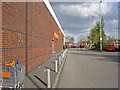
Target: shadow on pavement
109, 57
52, 62
33, 81
49, 68
40, 80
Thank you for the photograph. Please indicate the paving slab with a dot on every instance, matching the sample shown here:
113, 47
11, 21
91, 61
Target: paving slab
37, 77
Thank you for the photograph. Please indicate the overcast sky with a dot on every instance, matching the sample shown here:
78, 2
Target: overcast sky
74, 17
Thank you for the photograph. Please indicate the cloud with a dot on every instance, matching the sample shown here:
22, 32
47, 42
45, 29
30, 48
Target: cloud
84, 10
76, 17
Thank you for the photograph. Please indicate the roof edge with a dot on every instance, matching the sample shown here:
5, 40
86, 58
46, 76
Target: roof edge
53, 15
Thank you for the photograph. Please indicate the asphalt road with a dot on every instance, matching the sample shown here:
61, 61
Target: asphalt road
88, 69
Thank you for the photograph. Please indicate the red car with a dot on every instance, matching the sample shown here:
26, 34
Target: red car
111, 47
83, 46
74, 46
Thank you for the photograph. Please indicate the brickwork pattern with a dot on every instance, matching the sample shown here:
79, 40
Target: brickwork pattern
27, 33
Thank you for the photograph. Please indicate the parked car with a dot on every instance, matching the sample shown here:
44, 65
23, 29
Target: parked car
119, 48
83, 46
74, 46
111, 47
67, 46
71, 46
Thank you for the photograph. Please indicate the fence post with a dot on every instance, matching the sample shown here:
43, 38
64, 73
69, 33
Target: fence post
56, 66
48, 78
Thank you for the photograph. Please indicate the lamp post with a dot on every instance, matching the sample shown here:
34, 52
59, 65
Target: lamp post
100, 27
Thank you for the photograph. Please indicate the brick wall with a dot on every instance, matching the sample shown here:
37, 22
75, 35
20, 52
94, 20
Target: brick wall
27, 33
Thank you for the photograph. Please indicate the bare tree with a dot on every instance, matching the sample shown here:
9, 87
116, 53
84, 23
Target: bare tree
81, 38
69, 39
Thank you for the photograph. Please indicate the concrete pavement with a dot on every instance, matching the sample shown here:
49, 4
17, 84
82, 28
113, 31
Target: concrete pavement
37, 77
88, 69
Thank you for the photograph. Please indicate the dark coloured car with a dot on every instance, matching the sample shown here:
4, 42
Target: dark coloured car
119, 48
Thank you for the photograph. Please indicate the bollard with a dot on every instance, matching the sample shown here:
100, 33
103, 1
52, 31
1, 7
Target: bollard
63, 54
59, 60
56, 66
48, 78
18, 85
61, 57
55, 56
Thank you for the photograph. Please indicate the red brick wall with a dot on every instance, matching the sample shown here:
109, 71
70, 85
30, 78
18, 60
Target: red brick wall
27, 33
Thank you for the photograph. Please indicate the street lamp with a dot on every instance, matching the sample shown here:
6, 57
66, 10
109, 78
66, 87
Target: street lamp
100, 27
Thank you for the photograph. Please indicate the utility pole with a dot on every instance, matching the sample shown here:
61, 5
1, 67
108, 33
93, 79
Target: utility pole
90, 32
100, 27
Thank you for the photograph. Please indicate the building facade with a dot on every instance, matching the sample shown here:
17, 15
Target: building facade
28, 34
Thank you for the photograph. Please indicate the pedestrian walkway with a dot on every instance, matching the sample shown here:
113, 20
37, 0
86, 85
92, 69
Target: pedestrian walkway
37, 77
86, 69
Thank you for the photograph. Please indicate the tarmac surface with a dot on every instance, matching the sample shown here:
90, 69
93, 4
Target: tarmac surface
88, 69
